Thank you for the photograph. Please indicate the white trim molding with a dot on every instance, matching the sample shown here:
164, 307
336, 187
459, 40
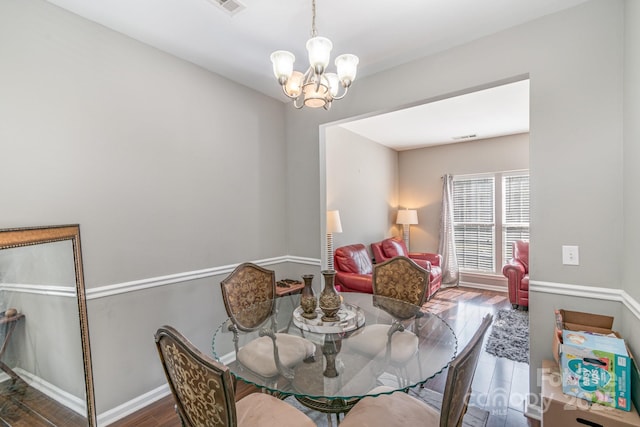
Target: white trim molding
494, 288
133, 405
592, 292
51, 290
532, 411
137, 285
75, 403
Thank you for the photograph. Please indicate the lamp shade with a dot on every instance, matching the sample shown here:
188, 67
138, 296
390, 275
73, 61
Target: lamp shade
282, 64
407, 216
319, 49
347, 65
333, 222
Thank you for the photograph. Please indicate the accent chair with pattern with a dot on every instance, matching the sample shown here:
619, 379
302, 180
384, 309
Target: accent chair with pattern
402, 409
204, 390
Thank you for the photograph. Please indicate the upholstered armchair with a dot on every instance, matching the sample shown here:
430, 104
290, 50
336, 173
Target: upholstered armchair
516, 270
354, 270
393, 247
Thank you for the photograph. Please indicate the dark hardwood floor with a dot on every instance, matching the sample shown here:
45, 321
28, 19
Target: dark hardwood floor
499, 387
22, 405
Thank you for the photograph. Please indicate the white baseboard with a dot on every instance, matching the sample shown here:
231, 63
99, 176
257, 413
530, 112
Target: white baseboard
128, 408
533, 411
76, 404
494, 288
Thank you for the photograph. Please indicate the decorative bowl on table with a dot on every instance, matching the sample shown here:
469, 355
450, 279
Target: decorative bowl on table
350, 317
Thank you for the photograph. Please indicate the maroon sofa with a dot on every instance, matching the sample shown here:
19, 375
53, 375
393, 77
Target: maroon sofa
393, 247
354, 270
516, 270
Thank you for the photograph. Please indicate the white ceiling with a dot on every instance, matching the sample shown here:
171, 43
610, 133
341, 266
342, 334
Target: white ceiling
382, 33
498, 111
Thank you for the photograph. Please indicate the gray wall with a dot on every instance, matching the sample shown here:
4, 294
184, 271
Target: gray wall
575, 63
421, 172
362, 183
631, 157
167, 168
367, 182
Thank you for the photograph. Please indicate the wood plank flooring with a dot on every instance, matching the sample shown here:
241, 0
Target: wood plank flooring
22, 405
500, 385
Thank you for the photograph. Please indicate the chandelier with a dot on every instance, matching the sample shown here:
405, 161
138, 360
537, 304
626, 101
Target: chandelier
315, 88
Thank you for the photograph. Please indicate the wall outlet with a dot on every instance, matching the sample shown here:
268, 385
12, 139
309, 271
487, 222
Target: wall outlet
570, 255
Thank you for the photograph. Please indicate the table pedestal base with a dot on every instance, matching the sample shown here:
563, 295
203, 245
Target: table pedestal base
328, 406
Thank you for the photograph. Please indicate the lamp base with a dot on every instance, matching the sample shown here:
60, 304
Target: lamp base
405, 235
329, 251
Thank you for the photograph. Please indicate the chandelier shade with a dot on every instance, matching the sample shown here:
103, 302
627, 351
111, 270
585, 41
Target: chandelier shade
315, 88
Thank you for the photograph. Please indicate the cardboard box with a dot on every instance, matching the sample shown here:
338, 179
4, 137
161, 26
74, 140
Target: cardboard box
561, 410
579, 321
596, 368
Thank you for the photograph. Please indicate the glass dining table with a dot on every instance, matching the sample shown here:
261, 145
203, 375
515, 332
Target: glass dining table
378, 341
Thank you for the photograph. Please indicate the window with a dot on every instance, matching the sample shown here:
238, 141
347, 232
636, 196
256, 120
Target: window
490, 211
515, 218
474, 222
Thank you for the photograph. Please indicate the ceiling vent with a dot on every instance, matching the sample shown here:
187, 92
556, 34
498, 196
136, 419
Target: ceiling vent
464, 137
230, 6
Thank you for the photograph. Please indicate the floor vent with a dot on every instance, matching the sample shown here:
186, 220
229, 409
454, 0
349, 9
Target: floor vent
230, 6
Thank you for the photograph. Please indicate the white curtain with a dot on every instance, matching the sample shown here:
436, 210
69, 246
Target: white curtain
447, 246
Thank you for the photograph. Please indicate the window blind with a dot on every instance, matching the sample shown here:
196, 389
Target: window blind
516, 211
474, 222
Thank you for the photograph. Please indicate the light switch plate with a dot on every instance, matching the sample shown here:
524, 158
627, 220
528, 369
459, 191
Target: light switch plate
570, 255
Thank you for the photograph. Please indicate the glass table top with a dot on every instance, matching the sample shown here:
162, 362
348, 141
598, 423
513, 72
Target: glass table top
394, 344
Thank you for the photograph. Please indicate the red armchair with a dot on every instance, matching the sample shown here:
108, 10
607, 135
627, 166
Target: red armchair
516, 270
393, 247
354, 270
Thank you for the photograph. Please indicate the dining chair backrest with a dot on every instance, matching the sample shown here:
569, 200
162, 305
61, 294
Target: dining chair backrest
249, 285
202, 388
402, 279
460, 376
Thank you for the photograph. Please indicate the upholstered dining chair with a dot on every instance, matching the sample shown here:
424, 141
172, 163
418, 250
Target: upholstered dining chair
402, 409
249, 294
402, 279
397, 281
204, 393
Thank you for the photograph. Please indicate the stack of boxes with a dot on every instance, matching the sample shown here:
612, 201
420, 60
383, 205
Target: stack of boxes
591, 380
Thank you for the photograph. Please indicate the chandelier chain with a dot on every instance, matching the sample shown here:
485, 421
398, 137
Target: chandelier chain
313, 18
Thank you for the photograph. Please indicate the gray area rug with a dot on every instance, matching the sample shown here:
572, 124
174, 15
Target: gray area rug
509, 336
475, 417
